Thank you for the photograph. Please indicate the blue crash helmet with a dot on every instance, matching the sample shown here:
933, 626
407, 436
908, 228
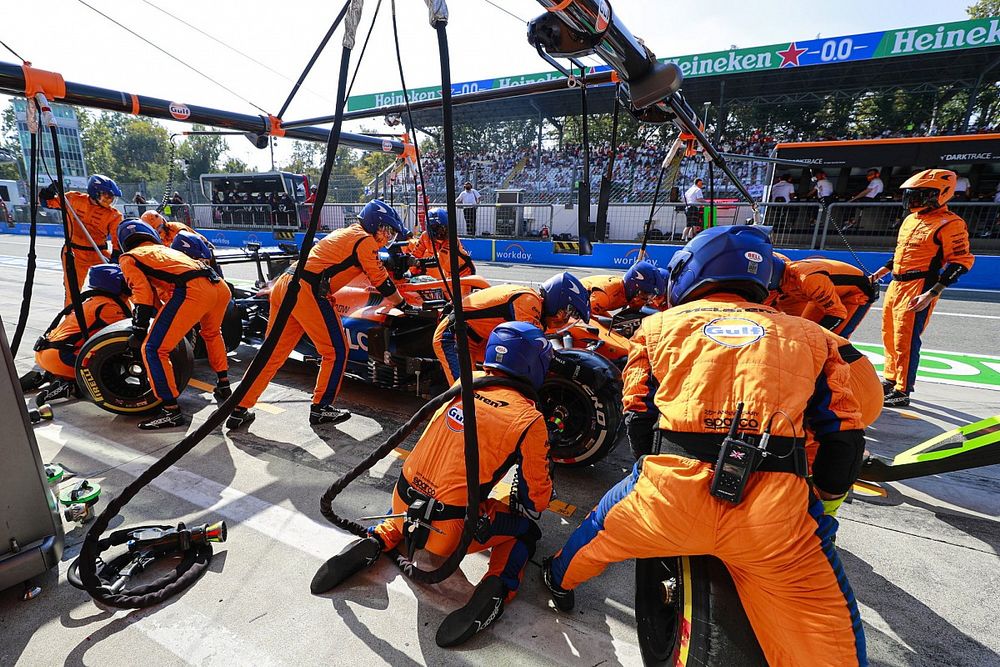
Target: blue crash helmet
98, 184
106, 278
565, 291
738, 255
521, 350
377, 214
643, 277
132, 232
192, 245
437, 223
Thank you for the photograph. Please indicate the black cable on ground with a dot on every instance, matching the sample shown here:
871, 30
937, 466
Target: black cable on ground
92, 544
29, 271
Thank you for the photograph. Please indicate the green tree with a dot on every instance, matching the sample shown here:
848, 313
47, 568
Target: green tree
984, 9
126, 148
202, 153
10, 143
234, 165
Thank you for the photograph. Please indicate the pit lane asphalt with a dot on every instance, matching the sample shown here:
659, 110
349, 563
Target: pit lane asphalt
922, 562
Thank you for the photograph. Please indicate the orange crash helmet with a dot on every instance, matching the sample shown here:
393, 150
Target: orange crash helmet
928, 189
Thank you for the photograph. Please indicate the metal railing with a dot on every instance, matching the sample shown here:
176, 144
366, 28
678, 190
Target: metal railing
522, 221
875, 226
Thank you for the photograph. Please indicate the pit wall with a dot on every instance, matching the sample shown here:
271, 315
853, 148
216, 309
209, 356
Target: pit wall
985, 275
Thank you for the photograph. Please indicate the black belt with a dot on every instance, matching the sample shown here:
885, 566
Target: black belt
705, 447
311, 277
913, 275
77, 246
443, 512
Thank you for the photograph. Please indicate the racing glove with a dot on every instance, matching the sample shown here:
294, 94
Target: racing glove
830, 507
641, 431
141, 316
830, 322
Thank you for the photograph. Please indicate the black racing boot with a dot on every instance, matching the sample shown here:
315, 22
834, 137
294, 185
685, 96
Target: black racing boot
240, 417
355, 557
165, 418
484, 607
896, 399
32, 380
222, 391
59, 389
888, 386
327, 414
563, 600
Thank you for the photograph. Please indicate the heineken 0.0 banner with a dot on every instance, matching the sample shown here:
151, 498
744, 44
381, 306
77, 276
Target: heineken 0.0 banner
867, 46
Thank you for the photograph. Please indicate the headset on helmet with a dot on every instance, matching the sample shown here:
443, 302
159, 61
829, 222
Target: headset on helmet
437, 223
564, 291
192, 245
520, 350
132, 232
643, 277
153, 219
778, 269
738, 256
928, 189
98, 184
106, 278
377, 214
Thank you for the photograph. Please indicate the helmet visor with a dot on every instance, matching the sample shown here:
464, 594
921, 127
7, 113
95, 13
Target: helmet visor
920, 198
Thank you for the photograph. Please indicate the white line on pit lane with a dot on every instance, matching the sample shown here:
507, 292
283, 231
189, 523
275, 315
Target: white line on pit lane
37, 244
979, 317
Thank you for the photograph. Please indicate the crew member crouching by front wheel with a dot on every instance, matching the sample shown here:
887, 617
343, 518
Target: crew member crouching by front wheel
511, 431
932, 253
333, 262
434, 243
559, 299
609, 293
690, 370
180, 292
103, 304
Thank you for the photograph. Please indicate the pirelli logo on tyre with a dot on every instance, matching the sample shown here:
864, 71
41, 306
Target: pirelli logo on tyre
92, 387
733, 331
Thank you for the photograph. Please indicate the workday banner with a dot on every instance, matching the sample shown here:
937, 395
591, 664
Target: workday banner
935, 38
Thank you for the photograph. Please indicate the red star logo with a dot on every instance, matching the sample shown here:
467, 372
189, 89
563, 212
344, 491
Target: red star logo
790, 56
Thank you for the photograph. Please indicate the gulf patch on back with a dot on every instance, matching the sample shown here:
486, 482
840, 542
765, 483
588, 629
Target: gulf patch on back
733, 331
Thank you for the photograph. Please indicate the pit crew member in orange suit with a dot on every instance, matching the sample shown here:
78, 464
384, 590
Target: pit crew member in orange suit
659, 301
832, 293
168, 229
511, 433
97, 213
180, 292
609, 293
549, 307
333, 262
434, 243
103, 304
691, 367
932, 252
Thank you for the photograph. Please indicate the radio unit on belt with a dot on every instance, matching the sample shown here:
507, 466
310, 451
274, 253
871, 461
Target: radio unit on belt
738, 459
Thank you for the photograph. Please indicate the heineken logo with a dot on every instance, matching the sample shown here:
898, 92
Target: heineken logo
944, 37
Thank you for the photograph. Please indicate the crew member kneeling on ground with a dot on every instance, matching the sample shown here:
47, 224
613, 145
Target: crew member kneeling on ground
103, 304
434, 244
549, 308
96, 211
932, 252
689, 370
834, 294
511, 432
180, 292
333, 262
609, 293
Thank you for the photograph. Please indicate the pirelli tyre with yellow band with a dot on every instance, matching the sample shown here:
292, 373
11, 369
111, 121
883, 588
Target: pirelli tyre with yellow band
688, 614
112, 375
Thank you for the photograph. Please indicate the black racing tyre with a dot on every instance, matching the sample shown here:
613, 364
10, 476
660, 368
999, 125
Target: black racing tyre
583, 419
112, 375
232, 332
688, 614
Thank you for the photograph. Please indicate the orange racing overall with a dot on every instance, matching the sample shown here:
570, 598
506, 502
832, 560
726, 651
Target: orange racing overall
425, 247
483, 311
832, 293
336, 260
101, 224
511, 432
56, 351
931, 248
690, 367
190, 293
607, 294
